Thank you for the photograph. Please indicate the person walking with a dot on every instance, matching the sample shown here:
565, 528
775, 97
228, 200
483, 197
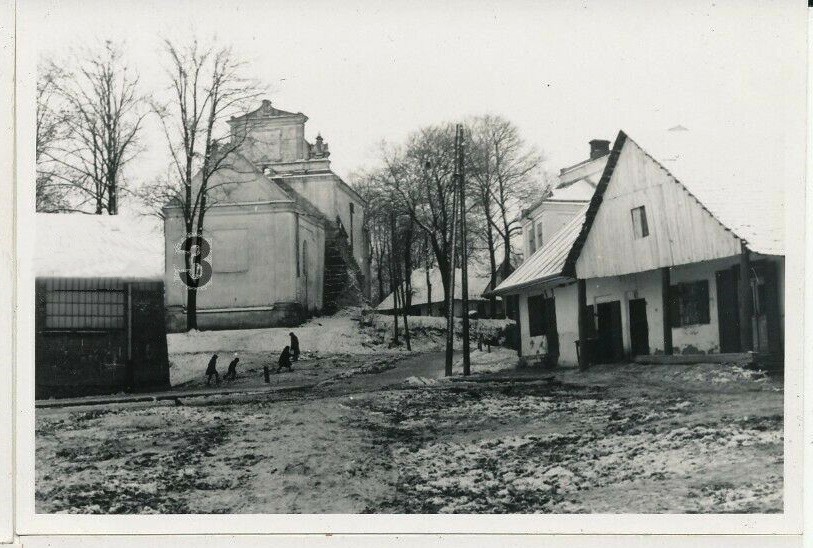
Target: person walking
294, 347
231, 374
285, 359
211, 371
266, 373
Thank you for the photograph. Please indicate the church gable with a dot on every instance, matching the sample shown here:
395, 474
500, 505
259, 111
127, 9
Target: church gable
270, 135
240, 182
643, 218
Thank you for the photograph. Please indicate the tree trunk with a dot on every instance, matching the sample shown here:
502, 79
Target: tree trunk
492, 258
191, 308
405, 309
393, 281
394, 314
380, 278
428, 292
507, 244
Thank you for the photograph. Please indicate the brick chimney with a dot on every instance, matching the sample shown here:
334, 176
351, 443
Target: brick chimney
599, 148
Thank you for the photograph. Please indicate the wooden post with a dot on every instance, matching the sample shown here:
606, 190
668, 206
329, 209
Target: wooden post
129, 321
464, 254
450, 310
746, 298
666, 302
584, 359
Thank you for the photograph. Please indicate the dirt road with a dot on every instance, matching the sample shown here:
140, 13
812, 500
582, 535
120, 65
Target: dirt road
394, 437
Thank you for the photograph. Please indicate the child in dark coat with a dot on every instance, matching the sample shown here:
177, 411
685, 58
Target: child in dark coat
211, 371
285, 359
231, 374
294, 347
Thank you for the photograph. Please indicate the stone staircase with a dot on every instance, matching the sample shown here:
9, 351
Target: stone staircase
343, 277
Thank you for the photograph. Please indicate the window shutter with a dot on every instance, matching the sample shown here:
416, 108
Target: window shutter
674, 305
703, 301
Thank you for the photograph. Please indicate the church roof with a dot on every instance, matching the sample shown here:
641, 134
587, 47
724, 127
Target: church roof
300, 200
304, 204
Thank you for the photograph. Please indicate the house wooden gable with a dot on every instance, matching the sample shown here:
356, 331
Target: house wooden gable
680, 229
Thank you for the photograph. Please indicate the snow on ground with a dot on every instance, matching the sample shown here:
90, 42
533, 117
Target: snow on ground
482, 361
547, 447
613, 439
347, 332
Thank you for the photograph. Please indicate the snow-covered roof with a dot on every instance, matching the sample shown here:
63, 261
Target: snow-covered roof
547, 263
579, 191
477, 284
745, 193
740, 183
74, 245
575, 183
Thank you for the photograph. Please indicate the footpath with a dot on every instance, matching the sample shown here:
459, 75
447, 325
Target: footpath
422, 364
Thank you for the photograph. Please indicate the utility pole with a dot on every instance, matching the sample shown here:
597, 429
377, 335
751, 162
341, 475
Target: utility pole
464, 254
428, 281
450, 304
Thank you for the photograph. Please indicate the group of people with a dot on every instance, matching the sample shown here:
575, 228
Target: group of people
289, 355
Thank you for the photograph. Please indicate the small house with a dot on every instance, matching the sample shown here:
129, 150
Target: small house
427, 295
647, 269
99, 305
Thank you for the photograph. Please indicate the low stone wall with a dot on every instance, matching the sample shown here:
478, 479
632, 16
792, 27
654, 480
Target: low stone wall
280, 315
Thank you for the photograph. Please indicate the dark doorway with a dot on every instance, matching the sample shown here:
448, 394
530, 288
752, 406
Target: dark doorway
728, 316
609, 344
639, 328
542, 321
767, 318
552, 331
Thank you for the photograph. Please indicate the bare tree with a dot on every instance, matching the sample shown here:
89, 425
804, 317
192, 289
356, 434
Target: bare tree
51, 187
419, 176
376, 226
206, 88
506, 174
103, 119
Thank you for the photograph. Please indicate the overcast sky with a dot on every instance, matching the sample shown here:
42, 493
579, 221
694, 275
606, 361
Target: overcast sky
564, 72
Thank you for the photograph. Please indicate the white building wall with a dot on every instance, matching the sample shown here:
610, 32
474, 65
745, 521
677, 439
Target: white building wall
704, 338
681, 231
269, 275
546, 220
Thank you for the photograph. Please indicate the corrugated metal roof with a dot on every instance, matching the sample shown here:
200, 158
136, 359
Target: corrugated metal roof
73, 245
547, 263
477, 284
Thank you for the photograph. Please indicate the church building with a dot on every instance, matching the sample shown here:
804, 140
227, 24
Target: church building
286, 233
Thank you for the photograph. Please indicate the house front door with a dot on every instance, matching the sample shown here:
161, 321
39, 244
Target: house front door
728, 315
639, 328
609, 340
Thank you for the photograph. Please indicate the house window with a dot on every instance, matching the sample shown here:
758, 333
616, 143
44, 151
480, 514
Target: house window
531, 240
689, 303
84, 304
537, 315
639, 224
539, 235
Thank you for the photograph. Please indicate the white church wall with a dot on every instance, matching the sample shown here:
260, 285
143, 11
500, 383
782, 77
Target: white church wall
311, 278
266, 279
342, 200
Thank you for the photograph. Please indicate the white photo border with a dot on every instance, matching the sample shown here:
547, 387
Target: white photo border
28, 522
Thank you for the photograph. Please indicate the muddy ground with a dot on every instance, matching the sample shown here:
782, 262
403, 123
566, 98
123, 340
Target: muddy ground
380, 435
